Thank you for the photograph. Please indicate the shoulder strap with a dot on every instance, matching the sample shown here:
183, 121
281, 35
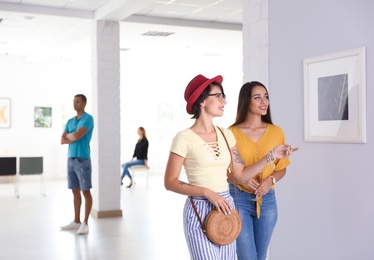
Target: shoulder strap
197, 214
230, 169
228, 146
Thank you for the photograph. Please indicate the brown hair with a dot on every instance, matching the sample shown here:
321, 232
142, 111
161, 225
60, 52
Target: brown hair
245, 100
143, 131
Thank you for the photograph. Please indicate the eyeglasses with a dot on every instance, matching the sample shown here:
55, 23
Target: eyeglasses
220, 96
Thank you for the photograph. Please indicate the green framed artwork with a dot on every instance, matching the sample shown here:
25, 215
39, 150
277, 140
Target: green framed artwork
43, 117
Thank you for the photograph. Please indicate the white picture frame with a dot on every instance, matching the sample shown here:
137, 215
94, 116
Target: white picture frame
335, 97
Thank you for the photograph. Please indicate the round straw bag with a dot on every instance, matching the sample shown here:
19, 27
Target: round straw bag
222, 229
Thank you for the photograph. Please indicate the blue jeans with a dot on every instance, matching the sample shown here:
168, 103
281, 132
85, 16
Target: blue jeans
127, 165
255, 236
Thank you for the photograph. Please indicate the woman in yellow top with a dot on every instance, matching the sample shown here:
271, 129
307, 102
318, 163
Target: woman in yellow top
255, 135
202, 151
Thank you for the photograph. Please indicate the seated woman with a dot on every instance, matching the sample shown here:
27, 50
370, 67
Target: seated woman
140, 156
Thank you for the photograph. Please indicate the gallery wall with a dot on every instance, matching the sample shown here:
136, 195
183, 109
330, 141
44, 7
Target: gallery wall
326, 200
152, 92
152, 89
51, 84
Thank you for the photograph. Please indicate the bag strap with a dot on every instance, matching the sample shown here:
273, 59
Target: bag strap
231, 167
228, 146
197, 214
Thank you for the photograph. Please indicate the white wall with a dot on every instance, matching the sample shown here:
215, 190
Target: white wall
326, 200
152, 89
45, 84
152, 92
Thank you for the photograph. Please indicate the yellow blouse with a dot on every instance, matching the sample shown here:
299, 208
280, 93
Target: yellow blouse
251, 152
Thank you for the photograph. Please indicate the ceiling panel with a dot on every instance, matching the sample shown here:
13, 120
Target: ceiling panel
29, 27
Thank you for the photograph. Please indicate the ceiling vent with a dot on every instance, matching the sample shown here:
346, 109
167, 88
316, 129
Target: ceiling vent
156, 33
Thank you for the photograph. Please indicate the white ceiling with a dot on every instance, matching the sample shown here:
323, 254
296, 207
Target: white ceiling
34, 28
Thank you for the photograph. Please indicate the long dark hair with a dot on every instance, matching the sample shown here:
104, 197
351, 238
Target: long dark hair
245, 97
196, 109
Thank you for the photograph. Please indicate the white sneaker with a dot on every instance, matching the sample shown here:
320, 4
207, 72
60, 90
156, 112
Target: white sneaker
83, 229
71, 226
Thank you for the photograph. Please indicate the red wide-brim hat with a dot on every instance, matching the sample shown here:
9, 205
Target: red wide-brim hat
196, 87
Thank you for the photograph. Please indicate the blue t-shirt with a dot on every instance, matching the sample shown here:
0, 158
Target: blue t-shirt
80, 148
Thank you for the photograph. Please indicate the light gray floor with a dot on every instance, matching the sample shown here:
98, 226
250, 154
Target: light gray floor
150, 228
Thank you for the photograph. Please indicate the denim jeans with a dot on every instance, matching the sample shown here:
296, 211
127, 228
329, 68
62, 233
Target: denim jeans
255, 236
127, 165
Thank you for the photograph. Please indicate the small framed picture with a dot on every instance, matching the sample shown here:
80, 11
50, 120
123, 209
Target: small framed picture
43, 117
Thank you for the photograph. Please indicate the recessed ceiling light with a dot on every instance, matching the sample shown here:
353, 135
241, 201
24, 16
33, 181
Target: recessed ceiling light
157, 33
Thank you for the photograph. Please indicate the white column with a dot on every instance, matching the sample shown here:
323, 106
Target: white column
106, 106
255, 45
255, 41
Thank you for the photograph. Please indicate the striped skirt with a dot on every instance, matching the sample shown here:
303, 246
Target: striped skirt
200, 247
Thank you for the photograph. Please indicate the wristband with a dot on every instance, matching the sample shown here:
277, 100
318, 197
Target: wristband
273, 180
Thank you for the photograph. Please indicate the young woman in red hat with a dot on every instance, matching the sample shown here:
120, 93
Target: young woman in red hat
203, 152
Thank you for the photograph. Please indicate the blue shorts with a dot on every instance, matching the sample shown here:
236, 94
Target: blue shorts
79, 174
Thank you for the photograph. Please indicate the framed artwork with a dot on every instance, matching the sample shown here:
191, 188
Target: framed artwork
335, 97
43, 117
4, 112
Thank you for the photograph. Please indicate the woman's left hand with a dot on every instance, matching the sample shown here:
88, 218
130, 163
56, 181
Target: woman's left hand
252, 184
219, 202
264, 187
